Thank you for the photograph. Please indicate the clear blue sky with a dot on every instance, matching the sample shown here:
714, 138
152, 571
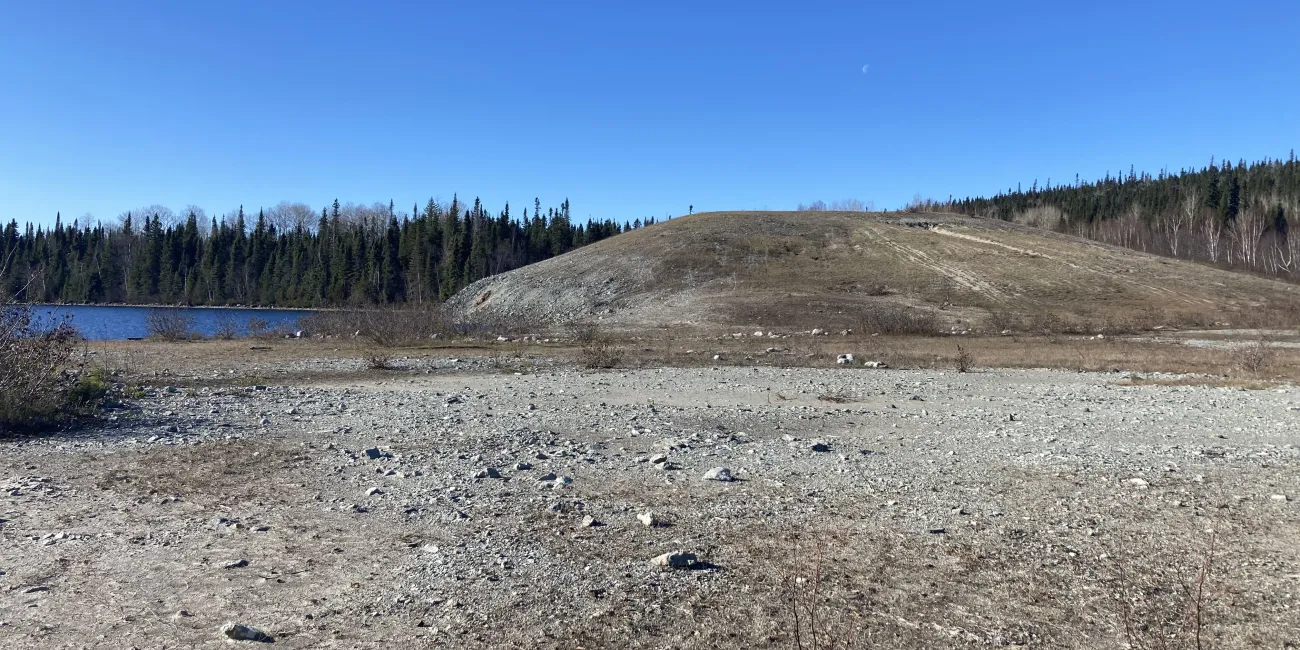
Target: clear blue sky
627, 110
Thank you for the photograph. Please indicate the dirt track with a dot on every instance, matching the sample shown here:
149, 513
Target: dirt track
947, 509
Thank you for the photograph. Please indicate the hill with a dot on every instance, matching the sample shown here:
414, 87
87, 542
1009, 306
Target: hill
870, 271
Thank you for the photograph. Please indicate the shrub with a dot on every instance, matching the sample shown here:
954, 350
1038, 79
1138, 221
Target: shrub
1255, 357
226, 328
964, 359
597, 349
382, 327
36, 374
885, 319
168, 324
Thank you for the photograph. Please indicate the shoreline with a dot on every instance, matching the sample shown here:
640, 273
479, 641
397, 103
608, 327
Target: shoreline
166, 306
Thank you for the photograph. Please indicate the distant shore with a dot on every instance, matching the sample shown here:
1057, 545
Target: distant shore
165, 306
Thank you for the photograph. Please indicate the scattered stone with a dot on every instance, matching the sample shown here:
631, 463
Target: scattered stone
240, 632
549, 476
675, 560
374, 453
937, 531
1279, 497
844, 359
373, 491
237, 564
1139, 483
487, 472
563, 481
658, 459
590, 522
719, 474
876, 364
820, 447
523, 467
648, 519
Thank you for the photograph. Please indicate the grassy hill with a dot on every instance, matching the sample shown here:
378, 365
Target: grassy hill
871, 272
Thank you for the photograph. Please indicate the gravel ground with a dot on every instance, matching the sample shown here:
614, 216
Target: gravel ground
461, 506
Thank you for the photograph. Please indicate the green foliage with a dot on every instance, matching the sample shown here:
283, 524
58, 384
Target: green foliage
352, 256
90, 389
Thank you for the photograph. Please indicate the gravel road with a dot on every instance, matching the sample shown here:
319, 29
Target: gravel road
474, 508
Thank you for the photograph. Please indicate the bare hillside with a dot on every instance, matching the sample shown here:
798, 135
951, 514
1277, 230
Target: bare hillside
834, 270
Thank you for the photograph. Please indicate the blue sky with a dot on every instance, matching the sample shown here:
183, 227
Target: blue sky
627, 109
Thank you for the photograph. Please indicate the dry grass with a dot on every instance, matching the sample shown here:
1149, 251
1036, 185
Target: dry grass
839, 270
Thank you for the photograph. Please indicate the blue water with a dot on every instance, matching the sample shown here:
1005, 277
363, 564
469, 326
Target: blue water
103, 323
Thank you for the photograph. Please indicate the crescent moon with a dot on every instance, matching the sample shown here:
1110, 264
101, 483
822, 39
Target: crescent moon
864, 68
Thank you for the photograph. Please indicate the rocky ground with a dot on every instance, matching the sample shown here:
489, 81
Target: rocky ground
453, 503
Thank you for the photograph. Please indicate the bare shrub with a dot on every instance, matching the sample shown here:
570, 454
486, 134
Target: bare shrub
377, 359
382, 327
888, 319
258, 328
1164, 604
167, 324
226, 328
36, 367
964, 359
1002, 320
597, 349
1255, 357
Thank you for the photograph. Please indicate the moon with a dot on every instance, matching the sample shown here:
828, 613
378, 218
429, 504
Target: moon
864, 68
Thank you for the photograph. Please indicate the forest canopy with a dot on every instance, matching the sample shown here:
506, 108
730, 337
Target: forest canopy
288, 256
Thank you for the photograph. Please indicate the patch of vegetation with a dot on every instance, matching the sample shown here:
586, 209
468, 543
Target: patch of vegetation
167, 324
597, 348
41, 380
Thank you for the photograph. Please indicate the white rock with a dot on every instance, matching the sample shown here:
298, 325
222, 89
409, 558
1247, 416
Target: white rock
844, 359
1139, 483
1279, 497
675, 560
648, 519
719, 474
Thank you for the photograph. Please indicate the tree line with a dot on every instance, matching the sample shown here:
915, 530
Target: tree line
345, 257
1237, 215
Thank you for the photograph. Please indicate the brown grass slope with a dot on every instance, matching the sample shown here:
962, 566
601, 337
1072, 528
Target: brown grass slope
828, 269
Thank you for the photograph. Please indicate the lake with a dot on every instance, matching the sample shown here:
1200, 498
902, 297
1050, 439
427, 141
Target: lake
113, 323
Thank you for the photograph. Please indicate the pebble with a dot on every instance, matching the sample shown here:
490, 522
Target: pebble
1279, 497
1139, 483
648, 519
487, 472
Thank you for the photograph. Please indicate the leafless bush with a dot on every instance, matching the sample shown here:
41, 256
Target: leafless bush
887, 319
1002, 320
1165, 604
377, 359
226, 328
258, 328
381, 327
36, 373
597, 349
964, 359
1255, 357
166, 324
